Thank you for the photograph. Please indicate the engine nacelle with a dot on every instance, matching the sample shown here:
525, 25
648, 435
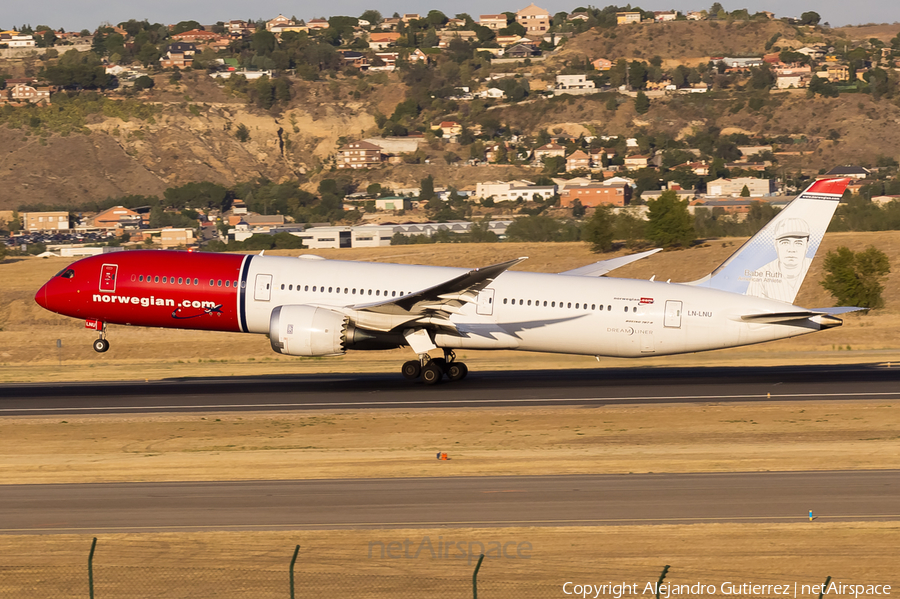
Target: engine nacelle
307, 331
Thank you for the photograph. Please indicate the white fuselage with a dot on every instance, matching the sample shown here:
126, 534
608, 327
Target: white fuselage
530, 311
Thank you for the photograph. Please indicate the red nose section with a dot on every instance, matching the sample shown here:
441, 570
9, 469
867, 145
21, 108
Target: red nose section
41, 297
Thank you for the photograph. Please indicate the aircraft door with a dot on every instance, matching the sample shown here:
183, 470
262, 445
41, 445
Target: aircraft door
263, 290
673, 314
485, 305
108, 277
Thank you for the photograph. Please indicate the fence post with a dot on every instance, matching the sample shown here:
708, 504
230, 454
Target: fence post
91, 568
662, 577
294, 561
824, 586
475, 577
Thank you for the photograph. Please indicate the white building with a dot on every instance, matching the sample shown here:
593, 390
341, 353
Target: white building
510, 191
732, 187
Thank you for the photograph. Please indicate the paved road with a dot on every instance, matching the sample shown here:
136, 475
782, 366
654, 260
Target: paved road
510, 388
465, 501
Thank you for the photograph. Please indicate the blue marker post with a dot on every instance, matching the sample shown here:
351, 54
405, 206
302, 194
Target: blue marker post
810, 516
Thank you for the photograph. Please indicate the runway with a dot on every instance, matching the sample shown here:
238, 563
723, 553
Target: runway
582, 387
577, 500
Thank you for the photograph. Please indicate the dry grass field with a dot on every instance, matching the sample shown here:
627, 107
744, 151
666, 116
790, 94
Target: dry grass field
28, 333
480, 442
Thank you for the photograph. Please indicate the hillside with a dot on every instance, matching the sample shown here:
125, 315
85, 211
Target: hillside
184, 131
680, 42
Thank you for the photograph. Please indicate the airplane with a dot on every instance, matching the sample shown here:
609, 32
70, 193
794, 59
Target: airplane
310, 306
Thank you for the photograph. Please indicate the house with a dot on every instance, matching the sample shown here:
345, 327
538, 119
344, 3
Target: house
196, 36
380, 41
625, 18
180, 55
854, 172
695, 15
445, 37
393, 203
510, 191
172, 237
22, 93
317, 24
742, 63
637, 161
789, 81
410, 16
491, 93
390, 23
549, 150
450, 128
574, 84
507, 40
418, 56
14, 39
747, 151
732, 187
354, 59
492, 22
45, 221
577, 16
239, 28
278, 22
596, 194
838, 72
578, 160
601, 64
117, 217
533, 18
385, 61
359, 154
521, 51
661, 16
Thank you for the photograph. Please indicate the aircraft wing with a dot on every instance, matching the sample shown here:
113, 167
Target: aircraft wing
435, 304
598, 269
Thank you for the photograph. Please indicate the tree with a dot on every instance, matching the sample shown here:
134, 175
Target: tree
855, 278
641, 103
745, 192
810, 18
143, 82
426, 189
242, 133
600, 230
372, 16
669, 222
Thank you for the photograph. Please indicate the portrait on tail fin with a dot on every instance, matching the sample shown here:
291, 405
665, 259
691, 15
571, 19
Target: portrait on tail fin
781, 278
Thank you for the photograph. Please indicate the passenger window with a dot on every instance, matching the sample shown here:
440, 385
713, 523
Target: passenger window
314, 287
593, 306
228, 284
576, 306
164, 279
504, 301
180, 280
545, 303
220, 282
329, 290
529, 302
393, 294
282, 286
601, 307
626, 308
141, 278
212, 283
370, 292
608, 308
570, 304
552, 304
345, 290
378, 292
290, 287
196, 281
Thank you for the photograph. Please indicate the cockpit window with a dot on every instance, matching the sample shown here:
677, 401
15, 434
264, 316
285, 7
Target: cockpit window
67, 274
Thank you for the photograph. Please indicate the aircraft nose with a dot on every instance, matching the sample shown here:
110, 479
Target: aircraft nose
41, 297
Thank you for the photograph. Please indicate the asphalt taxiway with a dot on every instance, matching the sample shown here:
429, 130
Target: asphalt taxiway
582, 387
451, 502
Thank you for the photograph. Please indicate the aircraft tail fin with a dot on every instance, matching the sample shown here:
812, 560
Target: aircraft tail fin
774, 262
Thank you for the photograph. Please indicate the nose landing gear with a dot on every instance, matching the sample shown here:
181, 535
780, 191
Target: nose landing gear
432, 370
100, 345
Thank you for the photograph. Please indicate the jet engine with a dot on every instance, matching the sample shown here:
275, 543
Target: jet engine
307, 331
301, 330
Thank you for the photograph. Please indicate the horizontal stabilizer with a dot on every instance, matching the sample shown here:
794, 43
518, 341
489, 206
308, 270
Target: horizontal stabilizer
598, 269
782, 317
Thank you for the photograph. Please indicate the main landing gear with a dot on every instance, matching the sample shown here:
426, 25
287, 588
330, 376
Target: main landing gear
432, 370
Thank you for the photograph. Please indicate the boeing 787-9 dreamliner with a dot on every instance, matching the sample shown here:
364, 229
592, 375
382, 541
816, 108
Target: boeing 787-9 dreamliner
316, 307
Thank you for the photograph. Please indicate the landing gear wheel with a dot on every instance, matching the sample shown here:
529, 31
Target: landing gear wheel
457, 371
411, 370
101, 345
432, 373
